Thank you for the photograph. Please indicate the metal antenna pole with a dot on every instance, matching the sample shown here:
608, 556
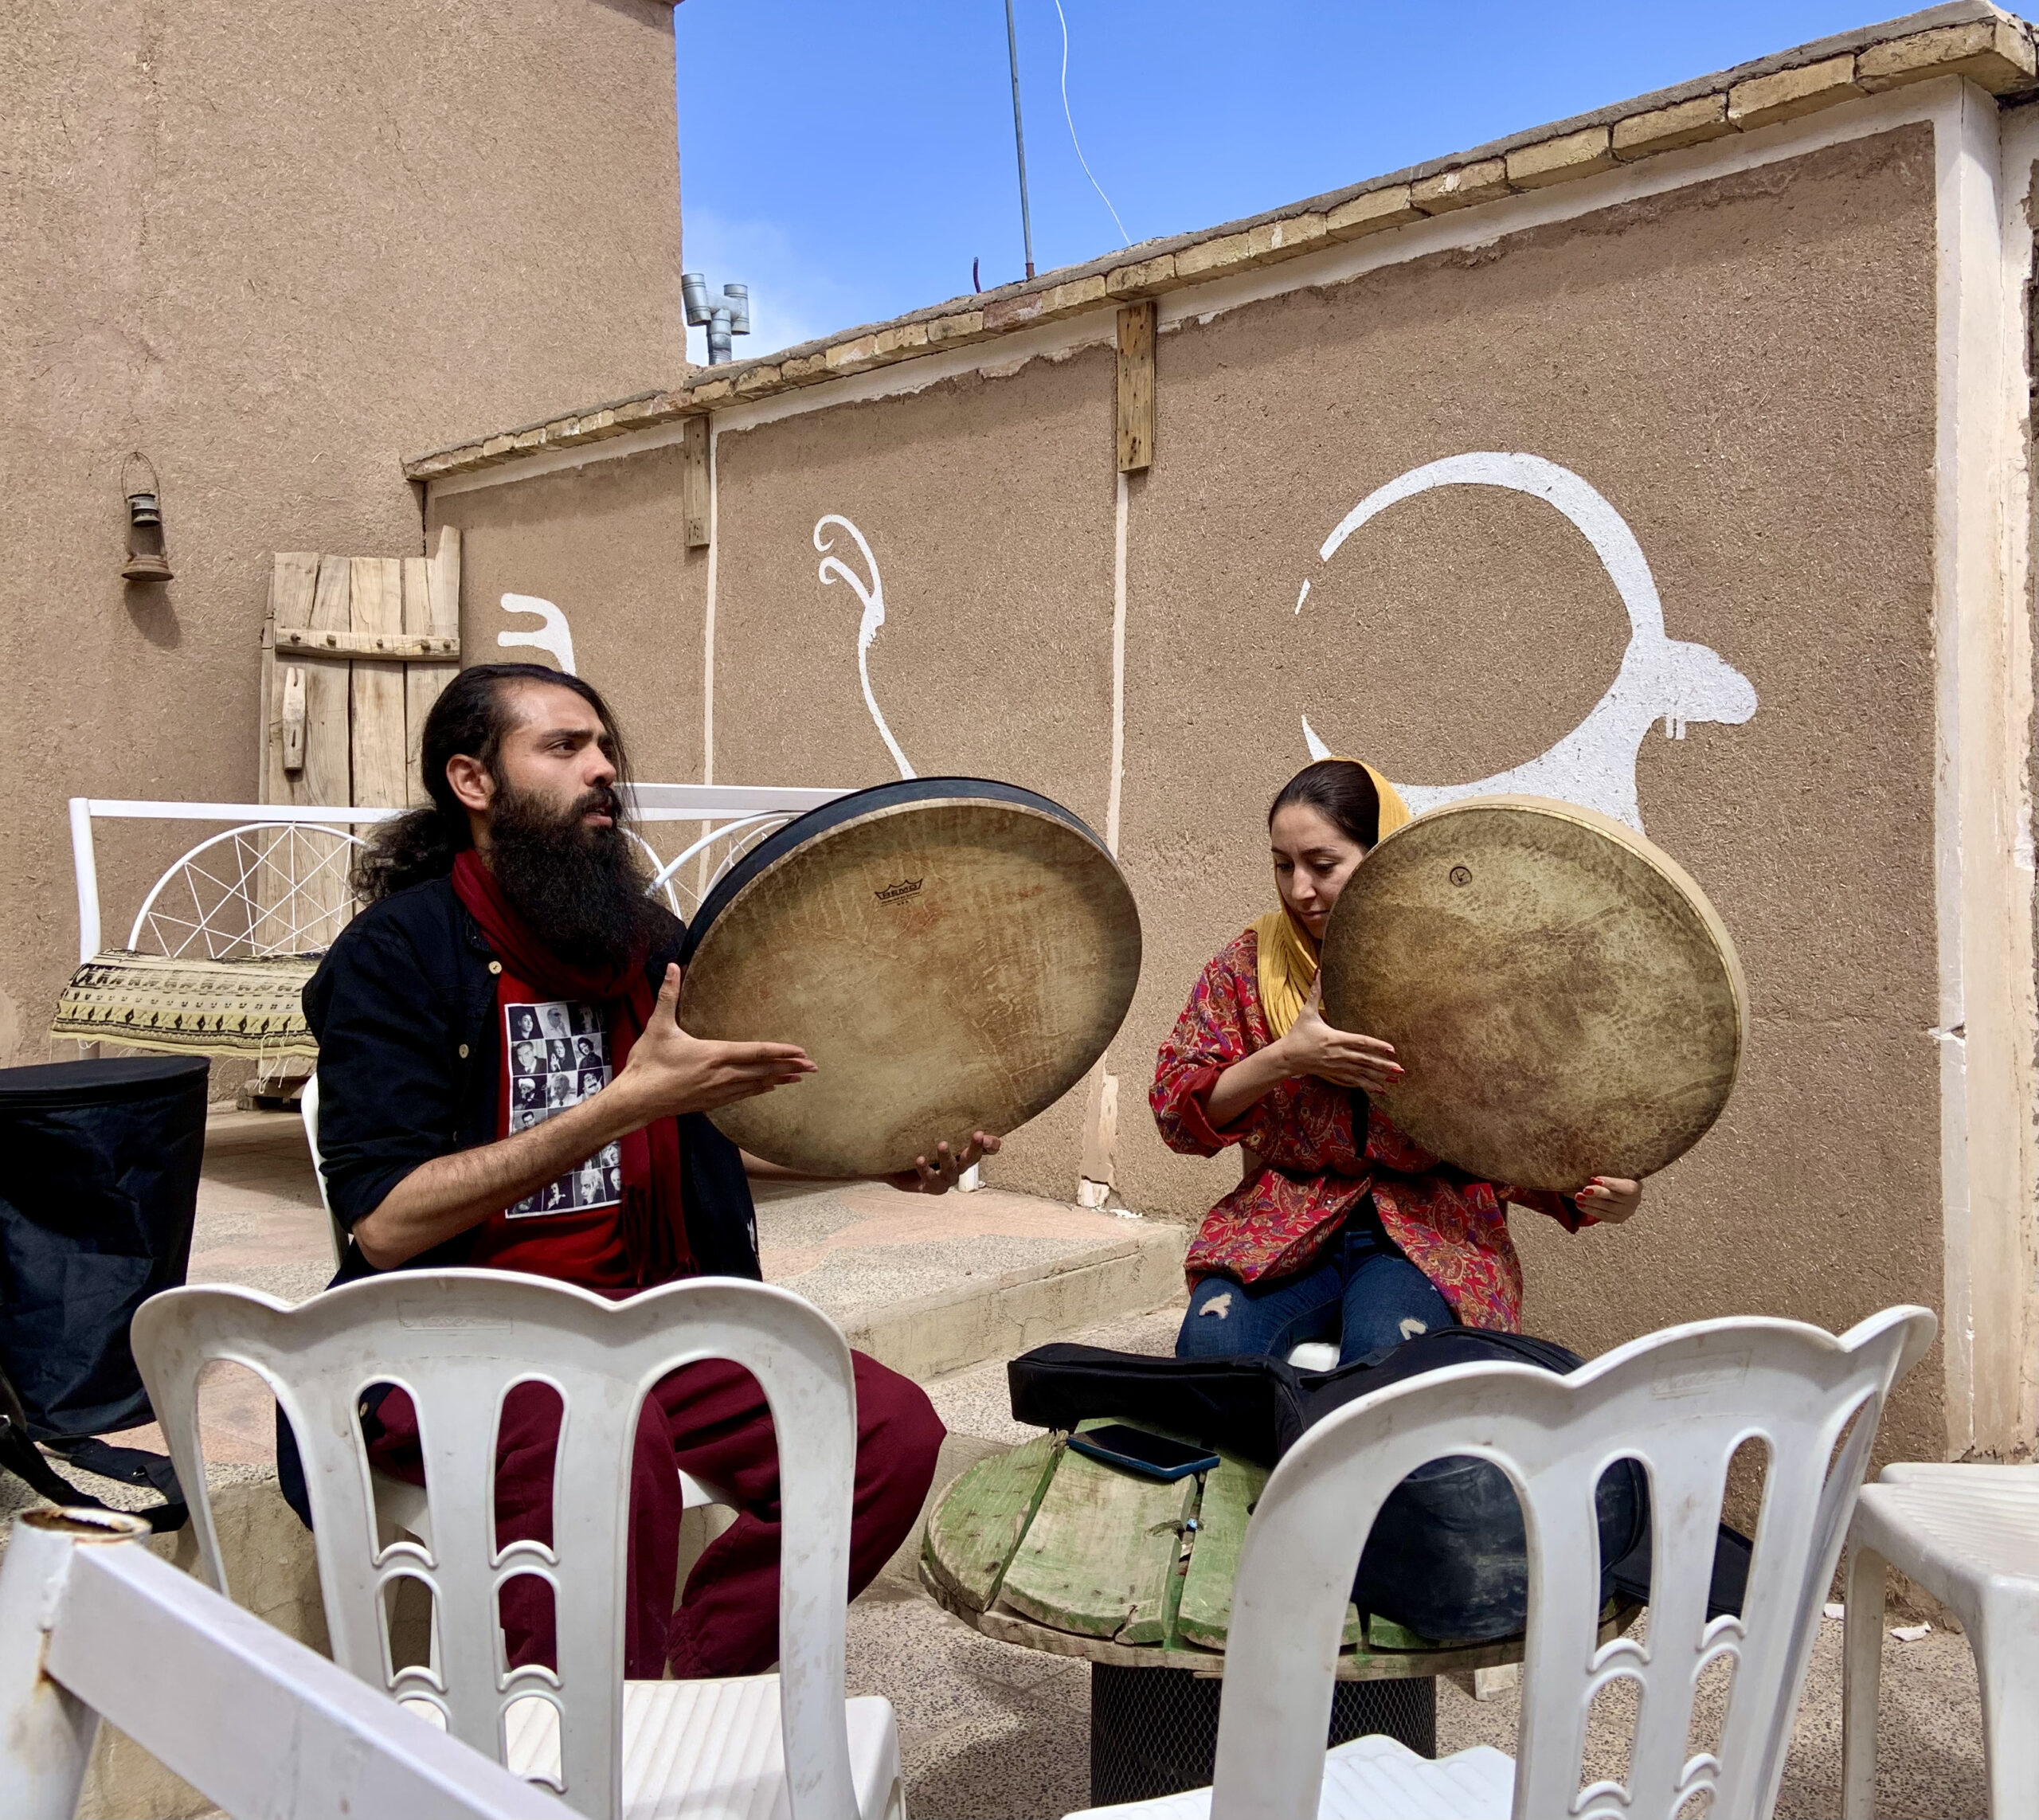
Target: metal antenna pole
1018, 136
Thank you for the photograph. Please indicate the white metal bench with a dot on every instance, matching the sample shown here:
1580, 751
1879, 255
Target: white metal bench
224, 940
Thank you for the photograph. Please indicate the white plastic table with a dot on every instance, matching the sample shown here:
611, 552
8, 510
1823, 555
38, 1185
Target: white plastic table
1969, 1536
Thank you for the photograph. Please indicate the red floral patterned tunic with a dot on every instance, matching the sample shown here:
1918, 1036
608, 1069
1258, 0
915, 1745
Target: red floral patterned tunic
1277, 1222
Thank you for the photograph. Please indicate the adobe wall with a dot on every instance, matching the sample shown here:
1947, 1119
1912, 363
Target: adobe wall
1744, 367
276, 249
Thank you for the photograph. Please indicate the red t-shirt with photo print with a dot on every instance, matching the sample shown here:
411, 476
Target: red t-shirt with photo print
555, 1054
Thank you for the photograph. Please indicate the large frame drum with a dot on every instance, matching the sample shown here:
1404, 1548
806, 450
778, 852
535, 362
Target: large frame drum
1566, 1002
953, 954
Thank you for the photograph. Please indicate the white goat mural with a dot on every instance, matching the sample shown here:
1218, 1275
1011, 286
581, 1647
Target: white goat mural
1660, 677
834, 569
551, 634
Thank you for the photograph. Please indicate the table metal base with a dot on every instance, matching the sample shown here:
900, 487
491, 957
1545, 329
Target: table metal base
1154, 1731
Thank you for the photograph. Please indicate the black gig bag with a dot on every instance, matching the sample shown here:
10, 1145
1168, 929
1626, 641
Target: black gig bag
1448, 1557
98, 1193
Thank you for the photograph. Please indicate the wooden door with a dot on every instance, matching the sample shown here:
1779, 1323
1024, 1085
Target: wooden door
355, 650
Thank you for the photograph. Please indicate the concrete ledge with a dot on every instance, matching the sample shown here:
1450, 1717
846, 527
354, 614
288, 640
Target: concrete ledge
1970, 39
1024, 1308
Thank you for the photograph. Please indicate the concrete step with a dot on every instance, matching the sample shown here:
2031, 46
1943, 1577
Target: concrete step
932, 1286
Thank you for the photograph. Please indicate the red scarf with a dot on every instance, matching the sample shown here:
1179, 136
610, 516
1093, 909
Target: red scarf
654, 1228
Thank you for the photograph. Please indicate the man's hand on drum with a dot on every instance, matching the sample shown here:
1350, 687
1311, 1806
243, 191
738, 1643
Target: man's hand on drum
1342, 1057
670, 1072
937, 1173
1609, 1198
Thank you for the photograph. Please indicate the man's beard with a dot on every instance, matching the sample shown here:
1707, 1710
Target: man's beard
581, 889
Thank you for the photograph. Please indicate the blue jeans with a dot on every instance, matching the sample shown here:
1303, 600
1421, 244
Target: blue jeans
1364, 1295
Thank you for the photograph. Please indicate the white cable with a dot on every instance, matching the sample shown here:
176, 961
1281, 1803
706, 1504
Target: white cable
1073, 140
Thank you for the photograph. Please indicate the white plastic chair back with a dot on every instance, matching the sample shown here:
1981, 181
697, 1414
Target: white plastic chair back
1680, 1402
457, 1341
92, 1622
307, 1107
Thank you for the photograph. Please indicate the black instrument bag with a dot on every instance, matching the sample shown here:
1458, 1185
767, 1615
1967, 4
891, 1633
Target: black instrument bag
98, 1190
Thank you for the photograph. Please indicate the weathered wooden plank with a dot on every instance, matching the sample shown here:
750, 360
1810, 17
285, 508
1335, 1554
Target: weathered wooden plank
432, 610
1136, 386
693, 482
1385, 1634
377, 606
421, 682
293, 719
297, 898
293, 585
383, 647
1353, 1664
1204, 1615
979, 1522
328, 777
1098, 1557
444, 577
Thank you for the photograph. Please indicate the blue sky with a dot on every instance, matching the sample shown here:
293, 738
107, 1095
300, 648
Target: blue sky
849, 158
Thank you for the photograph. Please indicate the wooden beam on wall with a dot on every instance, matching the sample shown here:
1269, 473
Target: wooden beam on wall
1136, 386
694, 481
386, 646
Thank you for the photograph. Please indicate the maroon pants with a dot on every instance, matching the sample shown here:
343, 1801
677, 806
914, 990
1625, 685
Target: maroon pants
709, 1420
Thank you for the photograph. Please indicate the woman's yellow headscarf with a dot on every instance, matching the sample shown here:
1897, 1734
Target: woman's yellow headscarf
1288, 951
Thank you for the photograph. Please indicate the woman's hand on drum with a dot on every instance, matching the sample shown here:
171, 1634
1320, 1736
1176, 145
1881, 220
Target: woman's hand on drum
937, 1174
1342, 1057
1609, 1198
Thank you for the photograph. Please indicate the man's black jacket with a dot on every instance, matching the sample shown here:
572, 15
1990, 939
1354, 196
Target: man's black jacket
410, 1068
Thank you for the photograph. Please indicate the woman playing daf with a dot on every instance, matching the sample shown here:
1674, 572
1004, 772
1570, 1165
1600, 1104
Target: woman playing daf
1341, 1228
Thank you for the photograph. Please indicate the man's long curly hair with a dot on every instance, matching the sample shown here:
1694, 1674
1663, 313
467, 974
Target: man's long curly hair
469, 720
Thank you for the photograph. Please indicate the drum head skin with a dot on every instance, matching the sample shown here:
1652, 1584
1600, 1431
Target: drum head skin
953, 954
1564, 997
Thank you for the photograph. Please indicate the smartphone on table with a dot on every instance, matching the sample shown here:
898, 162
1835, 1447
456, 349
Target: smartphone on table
1135, 1450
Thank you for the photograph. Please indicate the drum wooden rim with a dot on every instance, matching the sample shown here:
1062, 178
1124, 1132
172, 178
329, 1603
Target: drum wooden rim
1012, 1013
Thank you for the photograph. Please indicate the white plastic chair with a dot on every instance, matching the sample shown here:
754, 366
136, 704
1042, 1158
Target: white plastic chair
307, 1107
1681, 1402
402, 1503
457, 1341
92, 1622
1969, 1536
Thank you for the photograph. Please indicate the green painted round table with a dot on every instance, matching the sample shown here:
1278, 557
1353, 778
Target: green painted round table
1051, 1550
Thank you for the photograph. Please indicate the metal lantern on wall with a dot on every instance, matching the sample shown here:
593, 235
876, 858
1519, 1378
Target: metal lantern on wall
145, 559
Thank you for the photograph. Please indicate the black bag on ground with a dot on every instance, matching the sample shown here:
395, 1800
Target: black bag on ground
98, 1190
1448, 1557
132, 1465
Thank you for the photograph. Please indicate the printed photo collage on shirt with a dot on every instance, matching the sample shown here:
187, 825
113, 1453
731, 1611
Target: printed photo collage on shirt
557, 1054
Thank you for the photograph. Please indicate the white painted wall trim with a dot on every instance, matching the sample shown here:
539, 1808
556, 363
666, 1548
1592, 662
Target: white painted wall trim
1983, 876
1116, 783
708, 624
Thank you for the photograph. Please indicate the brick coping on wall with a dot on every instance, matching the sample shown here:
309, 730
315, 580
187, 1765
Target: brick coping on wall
1969, 38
